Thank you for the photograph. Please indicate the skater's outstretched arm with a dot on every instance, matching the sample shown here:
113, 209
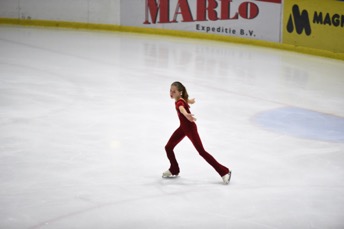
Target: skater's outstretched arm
189, 116
191, 101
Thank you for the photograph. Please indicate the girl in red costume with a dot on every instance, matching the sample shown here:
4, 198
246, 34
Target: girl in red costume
188, 128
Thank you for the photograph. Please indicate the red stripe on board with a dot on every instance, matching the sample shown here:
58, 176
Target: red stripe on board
273, 1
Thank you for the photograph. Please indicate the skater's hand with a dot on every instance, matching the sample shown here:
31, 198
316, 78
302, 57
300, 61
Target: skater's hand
191, 101
190, 117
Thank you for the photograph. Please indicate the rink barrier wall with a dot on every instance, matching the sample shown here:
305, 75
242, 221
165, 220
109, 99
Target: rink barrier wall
315, 24
156, 31
253, 19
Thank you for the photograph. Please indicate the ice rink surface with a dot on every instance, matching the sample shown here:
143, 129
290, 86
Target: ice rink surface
85, 116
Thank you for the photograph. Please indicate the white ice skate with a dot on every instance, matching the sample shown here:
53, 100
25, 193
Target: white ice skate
226, 178
168, 174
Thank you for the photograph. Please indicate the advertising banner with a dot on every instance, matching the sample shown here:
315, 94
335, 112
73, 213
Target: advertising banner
315, 24
254, 19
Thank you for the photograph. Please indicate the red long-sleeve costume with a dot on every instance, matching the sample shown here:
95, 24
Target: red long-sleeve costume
189, 129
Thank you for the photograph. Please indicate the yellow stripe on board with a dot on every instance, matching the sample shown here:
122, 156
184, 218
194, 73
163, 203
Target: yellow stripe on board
195, 35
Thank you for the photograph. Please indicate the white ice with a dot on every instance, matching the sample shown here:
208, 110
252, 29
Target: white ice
85, 116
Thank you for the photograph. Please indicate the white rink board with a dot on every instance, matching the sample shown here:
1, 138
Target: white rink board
84, 11
247, 19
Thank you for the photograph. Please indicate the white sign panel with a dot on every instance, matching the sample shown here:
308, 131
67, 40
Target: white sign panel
255, 19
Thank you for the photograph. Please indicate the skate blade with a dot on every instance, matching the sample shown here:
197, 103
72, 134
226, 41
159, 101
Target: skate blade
170, 177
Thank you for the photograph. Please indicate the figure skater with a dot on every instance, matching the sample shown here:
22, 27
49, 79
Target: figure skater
188, 128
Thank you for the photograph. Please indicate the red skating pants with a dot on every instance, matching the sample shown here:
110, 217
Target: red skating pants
192, 134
